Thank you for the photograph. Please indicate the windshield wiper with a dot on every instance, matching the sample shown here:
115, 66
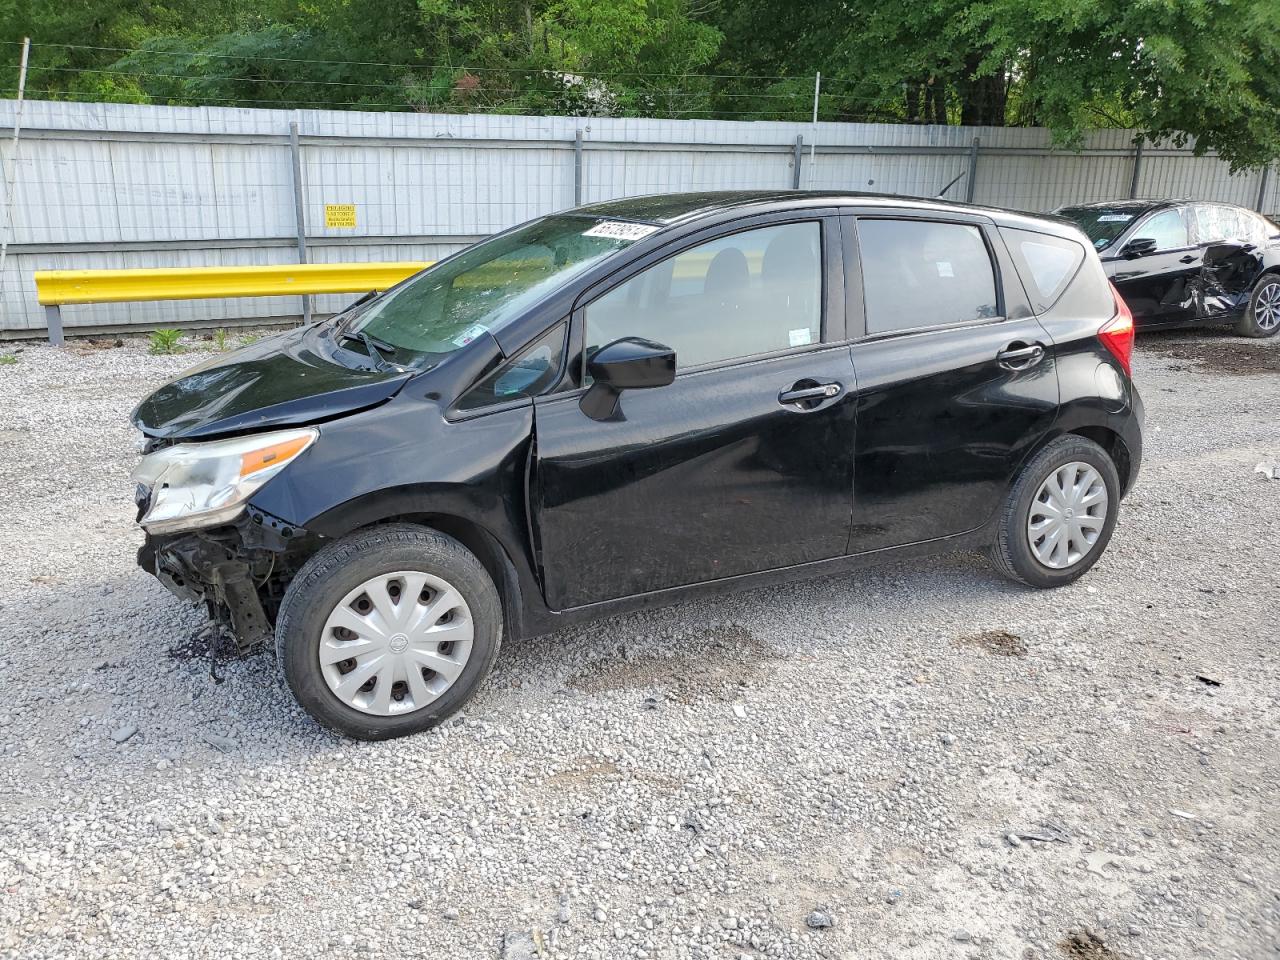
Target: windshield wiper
373, 346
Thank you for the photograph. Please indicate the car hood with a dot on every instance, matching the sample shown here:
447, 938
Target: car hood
283, 380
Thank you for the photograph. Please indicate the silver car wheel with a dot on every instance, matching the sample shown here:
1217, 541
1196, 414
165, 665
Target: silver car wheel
1266, 307
396, 643
1067, 515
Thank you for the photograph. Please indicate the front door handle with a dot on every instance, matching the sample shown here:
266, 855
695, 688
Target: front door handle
1020, 356
821, 391
1189, 258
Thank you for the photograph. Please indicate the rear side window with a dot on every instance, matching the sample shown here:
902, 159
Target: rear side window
1046, 264
921, 273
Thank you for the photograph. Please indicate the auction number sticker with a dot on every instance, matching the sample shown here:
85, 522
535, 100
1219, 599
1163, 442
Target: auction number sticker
1115, 218
620, 230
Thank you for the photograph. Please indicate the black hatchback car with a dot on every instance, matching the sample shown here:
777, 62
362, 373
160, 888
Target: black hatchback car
632, 403
1188, 263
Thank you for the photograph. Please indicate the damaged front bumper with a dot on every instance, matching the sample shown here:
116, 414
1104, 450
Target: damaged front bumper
238, 570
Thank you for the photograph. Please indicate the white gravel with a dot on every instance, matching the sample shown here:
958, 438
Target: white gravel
716, 780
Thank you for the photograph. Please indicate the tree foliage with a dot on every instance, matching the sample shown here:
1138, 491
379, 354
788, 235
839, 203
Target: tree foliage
1202, 69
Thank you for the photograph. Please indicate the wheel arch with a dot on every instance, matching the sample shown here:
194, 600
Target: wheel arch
505, 565
1108, 439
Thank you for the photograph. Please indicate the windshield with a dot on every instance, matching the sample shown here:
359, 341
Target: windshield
1101, 225
445, 307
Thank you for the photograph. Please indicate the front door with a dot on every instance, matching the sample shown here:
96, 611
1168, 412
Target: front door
724, 471
951, 394
1160, 287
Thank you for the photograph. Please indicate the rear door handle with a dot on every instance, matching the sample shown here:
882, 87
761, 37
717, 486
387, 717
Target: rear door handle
1189, 258
823, 391
1020, 356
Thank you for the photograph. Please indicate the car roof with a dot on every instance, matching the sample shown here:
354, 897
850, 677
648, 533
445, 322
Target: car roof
670, 209
1132, 206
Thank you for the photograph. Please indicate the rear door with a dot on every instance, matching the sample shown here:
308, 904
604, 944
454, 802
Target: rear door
956, 379
724, 471
1231, 242
1160, 287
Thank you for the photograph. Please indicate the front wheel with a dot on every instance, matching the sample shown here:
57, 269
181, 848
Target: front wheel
1262, 316
1059, 515
388, 631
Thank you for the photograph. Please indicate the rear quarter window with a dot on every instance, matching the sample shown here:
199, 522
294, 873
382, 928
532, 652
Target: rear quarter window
1045, 262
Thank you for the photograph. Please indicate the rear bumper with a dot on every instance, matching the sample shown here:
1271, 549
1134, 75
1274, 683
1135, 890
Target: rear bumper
1131, 433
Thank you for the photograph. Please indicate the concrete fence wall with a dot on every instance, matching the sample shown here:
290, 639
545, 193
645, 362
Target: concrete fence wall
118, 185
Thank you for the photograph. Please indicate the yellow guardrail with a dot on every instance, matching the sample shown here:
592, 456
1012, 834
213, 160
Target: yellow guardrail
63, 287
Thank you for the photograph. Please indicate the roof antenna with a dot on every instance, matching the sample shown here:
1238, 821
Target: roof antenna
943, 192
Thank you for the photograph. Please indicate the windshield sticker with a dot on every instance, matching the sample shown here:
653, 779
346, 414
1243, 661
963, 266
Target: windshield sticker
944, 268
620, 230
469, 334
1115, 218
800, 337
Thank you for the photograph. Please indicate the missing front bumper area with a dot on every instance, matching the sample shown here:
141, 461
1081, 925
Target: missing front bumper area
239, 572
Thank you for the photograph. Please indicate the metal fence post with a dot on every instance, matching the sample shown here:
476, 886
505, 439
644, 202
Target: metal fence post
799, 159
973, 171
577, 168
1137, 167
1262, 188
299, 209
53, 320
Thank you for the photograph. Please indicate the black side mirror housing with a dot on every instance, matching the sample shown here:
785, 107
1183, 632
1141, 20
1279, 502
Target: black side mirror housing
1138, 247
631, 363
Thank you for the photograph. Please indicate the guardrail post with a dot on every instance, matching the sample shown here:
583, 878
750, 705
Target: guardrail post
299, 209
53, 320
1137, 167
577, 168
1262, 188
973, 171
795, 165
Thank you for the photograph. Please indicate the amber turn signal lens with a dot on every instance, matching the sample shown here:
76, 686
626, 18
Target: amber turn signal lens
266, 457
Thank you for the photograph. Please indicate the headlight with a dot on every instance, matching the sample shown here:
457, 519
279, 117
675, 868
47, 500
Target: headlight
204, 484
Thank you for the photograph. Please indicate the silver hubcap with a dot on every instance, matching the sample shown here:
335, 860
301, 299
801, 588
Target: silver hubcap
1067, 515
1266, 309
396, 643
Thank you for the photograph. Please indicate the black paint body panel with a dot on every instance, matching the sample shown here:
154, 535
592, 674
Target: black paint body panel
706, 484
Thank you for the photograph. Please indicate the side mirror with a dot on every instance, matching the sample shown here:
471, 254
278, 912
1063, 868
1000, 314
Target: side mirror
1138, 247
631, 363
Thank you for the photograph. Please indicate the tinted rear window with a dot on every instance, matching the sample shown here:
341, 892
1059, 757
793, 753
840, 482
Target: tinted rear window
1046, 263
921, 273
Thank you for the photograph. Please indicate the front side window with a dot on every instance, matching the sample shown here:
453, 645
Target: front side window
447, 306
922, 273
749, 293
529, 373
1168, 229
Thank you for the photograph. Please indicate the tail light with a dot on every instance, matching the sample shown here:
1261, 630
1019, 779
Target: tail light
1117, 333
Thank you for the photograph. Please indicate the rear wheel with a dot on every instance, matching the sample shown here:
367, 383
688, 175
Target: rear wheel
1059, 515
388, 632
1262, 316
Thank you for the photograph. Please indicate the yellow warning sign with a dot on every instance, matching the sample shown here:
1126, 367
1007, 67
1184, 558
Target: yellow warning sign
339, 214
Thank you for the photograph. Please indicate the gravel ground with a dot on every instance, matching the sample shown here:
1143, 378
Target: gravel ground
850, 767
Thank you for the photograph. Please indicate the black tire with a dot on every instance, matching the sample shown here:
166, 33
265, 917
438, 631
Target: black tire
340, 568
1011, 554
1248, 325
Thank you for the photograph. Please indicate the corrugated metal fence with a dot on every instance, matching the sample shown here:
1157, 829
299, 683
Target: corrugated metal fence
118, 185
